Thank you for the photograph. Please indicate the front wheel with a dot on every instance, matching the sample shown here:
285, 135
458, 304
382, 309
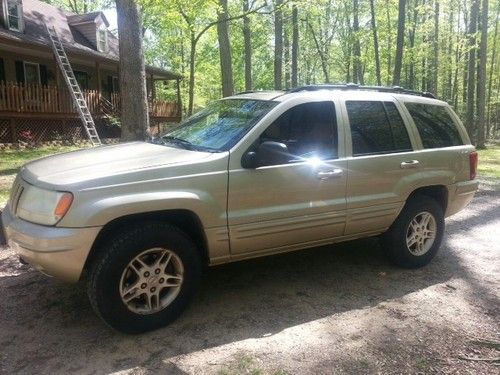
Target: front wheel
144, 277
416, 235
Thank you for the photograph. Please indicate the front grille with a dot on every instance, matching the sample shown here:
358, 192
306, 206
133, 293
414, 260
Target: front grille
15, 194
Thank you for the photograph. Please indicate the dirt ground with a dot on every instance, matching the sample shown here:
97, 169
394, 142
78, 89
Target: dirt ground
336, 309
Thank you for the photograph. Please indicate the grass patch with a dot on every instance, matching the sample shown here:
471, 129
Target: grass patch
489, 162
12, 160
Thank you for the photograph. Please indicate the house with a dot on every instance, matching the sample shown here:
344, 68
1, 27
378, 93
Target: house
35, 104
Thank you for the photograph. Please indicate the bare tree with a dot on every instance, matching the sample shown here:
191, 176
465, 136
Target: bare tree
399, 44
134, 105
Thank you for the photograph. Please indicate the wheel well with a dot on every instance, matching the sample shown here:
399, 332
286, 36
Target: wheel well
185, 220
437, 192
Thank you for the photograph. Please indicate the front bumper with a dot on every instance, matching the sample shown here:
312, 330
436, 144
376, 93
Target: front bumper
55, 251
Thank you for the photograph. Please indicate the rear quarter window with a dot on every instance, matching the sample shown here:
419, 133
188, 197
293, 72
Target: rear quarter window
435, 125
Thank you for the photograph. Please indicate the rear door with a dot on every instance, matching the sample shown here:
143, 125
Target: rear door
381, 166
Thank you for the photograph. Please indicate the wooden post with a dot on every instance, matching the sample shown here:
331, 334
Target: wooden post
179, 100
153, 88
98, 74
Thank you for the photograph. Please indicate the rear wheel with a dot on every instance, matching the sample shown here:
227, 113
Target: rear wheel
416, 235
144, 277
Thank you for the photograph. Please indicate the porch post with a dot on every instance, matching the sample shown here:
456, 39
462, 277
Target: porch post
153, 88
179, 100
98, 73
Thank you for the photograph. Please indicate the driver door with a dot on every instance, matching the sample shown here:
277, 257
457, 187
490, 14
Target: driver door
295, 204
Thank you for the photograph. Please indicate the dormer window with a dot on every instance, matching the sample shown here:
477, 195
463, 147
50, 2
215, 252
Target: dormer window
102, 39
14, 15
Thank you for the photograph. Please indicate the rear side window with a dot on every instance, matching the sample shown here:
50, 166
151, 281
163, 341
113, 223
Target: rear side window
376, 128
435, 125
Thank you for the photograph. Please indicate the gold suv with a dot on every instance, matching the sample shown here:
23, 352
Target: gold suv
250, 175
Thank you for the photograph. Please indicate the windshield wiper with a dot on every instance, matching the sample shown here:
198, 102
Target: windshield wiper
186, 144
179, 141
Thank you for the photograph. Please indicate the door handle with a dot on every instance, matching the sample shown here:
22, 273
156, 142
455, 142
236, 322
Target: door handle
325, 175
410, 164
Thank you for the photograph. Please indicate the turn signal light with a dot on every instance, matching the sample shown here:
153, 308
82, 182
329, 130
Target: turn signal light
63, 204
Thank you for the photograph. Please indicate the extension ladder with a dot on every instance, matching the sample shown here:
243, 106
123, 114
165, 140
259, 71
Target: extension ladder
74, 89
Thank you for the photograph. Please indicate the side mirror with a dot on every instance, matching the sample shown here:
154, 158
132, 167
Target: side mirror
268, 153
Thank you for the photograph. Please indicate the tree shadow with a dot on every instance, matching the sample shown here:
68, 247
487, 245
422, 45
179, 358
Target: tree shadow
239, 301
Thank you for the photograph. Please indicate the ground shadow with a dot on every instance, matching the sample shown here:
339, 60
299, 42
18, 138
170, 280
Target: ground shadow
56, 326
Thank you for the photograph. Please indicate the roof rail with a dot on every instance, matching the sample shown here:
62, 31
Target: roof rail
354, 86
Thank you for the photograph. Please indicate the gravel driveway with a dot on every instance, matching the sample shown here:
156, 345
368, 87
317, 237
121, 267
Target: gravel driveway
334, 309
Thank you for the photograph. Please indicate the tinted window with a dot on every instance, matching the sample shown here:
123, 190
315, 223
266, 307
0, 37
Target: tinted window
376, 128
308, 130
435, 125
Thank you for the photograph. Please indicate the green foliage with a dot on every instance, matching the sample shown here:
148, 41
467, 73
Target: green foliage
489, 162
171, 25
82, 6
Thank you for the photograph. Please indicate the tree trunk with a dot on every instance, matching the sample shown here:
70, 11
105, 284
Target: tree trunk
411, 38
247, 40
286, 56
356, 48
278, 45
375, 43
226, 66
435, 61
481, 79
134, 105
471, 78
295, 45
192, 55
322, 57
398, 63
492, 68
389, 42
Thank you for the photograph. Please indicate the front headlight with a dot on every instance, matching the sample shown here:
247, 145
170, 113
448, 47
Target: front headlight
42, 206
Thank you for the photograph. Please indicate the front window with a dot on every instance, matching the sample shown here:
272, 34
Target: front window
14, 15
219, 126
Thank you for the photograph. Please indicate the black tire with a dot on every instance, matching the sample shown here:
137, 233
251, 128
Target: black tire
394, 240
112, 259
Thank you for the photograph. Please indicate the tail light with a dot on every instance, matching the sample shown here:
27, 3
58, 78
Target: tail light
473, 158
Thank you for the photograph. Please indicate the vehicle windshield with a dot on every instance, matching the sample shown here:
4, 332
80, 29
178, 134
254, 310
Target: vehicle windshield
219, 126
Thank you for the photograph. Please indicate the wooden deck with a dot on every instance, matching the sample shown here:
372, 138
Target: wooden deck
17, 99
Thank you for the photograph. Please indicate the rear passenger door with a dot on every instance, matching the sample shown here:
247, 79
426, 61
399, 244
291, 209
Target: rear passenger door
381, 166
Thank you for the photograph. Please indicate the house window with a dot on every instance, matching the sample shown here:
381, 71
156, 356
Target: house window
102, 39
31, 73
15, 15
83, 79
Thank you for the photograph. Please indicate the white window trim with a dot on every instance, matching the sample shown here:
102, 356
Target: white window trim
98, 39
19, 6
37, 68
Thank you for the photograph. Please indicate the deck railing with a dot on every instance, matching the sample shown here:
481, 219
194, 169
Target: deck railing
38, 99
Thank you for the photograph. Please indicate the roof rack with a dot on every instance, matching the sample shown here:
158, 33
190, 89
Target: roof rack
354, 86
